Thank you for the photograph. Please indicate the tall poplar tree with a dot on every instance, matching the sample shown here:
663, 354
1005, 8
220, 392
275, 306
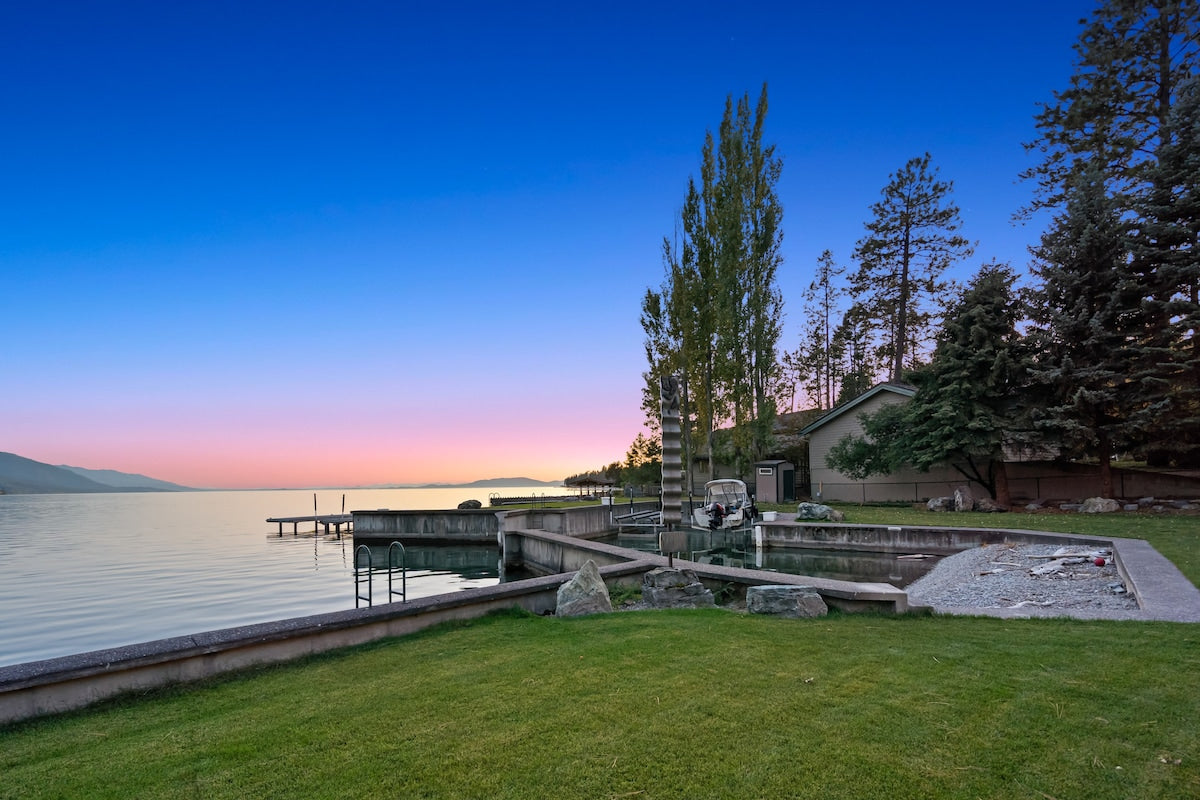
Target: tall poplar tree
719, 303
911, 240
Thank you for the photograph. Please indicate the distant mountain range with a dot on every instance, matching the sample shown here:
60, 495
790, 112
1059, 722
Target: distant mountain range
489, 482
19, 475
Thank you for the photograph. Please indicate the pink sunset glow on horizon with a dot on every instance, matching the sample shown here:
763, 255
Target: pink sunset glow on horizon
317, 453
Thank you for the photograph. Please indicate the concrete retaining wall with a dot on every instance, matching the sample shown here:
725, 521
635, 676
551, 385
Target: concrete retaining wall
896, 539
581, 521
550, 549
469, 525
62, 684
483, 525
547, 553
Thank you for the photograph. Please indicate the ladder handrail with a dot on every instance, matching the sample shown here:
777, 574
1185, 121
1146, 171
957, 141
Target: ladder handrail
367, 574
403, 572
362, 549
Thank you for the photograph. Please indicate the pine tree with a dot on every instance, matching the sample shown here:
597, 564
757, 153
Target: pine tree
1133, 58
1085, 332
820, 351
910, 242
1166, 256
791, 374
1123, 124
966, 408
859, 363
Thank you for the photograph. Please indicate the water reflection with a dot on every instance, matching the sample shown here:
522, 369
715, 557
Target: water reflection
469, 561
737, 550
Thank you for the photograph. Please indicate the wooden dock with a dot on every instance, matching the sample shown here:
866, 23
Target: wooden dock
327, 521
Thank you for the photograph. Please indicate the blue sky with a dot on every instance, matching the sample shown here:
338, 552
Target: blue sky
247, 244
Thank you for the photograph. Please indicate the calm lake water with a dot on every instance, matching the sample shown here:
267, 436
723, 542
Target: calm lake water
82, 572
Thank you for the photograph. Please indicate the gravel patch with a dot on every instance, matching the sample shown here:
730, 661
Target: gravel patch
1006, 577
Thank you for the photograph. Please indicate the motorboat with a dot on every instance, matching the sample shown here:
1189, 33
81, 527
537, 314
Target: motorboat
726, 505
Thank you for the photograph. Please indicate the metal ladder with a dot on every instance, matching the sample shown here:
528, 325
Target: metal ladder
364, 572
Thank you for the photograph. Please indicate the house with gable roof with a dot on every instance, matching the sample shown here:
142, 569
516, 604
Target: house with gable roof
1031, 474
908, 485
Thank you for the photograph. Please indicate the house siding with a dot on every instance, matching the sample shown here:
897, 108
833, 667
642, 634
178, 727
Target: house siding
1030, 475
906, 485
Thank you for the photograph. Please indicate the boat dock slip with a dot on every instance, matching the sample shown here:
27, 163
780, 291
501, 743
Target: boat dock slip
335, 521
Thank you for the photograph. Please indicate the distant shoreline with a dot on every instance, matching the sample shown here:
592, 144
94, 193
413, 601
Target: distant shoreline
20, 475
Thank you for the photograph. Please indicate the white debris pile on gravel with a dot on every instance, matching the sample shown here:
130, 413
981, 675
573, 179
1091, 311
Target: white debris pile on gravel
1025, 576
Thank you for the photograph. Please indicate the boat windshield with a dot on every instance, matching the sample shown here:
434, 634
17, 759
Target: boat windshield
730, 494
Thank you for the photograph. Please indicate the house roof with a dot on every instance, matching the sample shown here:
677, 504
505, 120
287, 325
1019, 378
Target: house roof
902, 389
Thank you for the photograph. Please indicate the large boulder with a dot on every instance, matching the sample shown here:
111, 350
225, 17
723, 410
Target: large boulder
963, 499
783, 600
669, 587
940, 503
584, 594
469, 504
818, 511
989, 506
1099, 505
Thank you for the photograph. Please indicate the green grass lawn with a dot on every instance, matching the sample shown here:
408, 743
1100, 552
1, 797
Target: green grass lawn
681, 704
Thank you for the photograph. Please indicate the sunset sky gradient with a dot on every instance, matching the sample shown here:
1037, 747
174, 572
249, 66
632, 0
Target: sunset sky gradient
334, 244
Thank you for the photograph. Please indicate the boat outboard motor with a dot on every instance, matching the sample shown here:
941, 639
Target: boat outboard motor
716, 514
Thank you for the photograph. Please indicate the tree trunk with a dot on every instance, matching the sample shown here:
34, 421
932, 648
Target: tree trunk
901, 329
1104, 455
1000, 469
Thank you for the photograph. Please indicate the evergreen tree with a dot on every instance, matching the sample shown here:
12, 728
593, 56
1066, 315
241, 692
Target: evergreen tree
662, 354
910, 242
858, 361
1123, 125
791, 374
643, 461
1133, 58
1166, 255
966, 408
1085, 329
821, 357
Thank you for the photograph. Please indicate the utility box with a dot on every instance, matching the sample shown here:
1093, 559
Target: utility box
774, 482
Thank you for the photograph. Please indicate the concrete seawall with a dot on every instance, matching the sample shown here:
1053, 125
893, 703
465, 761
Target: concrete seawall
61, 684
467, 525
484, 525
900, 538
